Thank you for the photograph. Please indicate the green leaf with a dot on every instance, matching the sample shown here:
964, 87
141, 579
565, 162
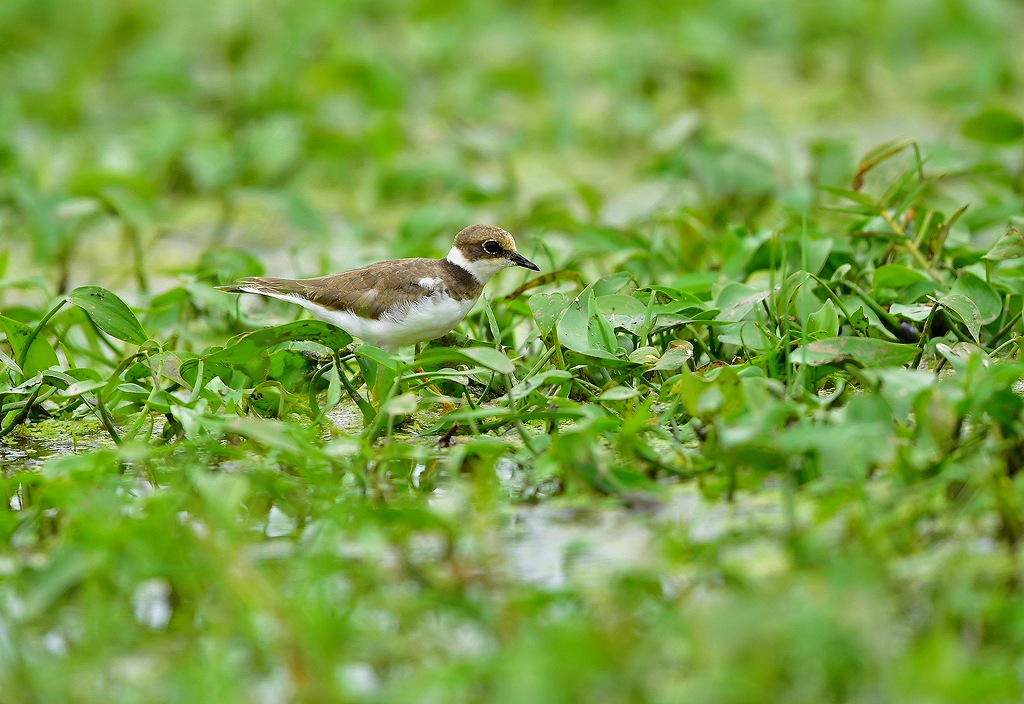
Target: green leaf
676, 356
824, 322
41, 354
897, 276
253, 344
490, 358
376, 354
984, 296
867, 351
584, 329
966, 310
736, 300
547, 309
226, 264
622, 311
1009, 246
110, 313
994, 126
618, 393
486, 357
915, 311
859, 321
128, 205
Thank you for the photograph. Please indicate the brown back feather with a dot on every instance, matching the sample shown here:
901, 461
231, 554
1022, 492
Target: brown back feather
373, 290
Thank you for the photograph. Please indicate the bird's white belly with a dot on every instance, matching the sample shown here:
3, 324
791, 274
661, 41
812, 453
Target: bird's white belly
431, 317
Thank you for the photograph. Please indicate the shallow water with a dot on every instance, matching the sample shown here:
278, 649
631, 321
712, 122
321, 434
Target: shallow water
553, 543
33, 444
557, 546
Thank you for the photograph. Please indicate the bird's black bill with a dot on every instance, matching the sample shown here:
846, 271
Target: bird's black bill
519, 260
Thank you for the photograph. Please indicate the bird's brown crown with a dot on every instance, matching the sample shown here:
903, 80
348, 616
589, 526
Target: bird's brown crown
478, 242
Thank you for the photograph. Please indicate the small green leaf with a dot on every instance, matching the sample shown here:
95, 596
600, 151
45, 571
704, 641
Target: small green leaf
645, 355
110, 313
486, 357
623, 311
41, 354
966, 310
376, 354
1009, 246
824, 322
618, 393
547, 309
988, 300
490, 358
915, 311
584, 329
128, 205
736, 300
675, 357
859, 321
994, 126
897, 276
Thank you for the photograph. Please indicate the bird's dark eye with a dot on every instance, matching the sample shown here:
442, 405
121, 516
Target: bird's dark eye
492, 247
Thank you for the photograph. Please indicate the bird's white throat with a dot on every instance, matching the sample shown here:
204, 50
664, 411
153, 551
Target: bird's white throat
481, 269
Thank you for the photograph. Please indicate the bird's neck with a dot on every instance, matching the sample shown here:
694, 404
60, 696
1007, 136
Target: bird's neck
482, 274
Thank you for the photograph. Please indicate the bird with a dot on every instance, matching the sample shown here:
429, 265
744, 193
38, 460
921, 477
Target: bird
401, 302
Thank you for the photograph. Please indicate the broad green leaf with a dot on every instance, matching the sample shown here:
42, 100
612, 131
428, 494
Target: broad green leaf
915, 311
41, 354
823, 323
680, 300
618, 393
897, 276
675, 357
127, 204
225, 264
964, 309
748, 334
867, 351
110, 313
736, 300
302, 213
490, 358
900, 387
984, 296
625, 312
618, 304
376, 354
583, 328
611, 284
253, 344
810, 250
994, 126
551, 376
486, 357
547, 309
645, 355
1009, 246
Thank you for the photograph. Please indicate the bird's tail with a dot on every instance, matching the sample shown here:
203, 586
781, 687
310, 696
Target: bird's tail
262, 285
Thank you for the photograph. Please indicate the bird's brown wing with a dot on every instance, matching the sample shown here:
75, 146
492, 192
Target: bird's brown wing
369, 292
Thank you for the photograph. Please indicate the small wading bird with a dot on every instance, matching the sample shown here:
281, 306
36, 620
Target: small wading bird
401, 302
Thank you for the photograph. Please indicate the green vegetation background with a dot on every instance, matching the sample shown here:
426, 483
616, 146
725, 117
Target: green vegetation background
755, 436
